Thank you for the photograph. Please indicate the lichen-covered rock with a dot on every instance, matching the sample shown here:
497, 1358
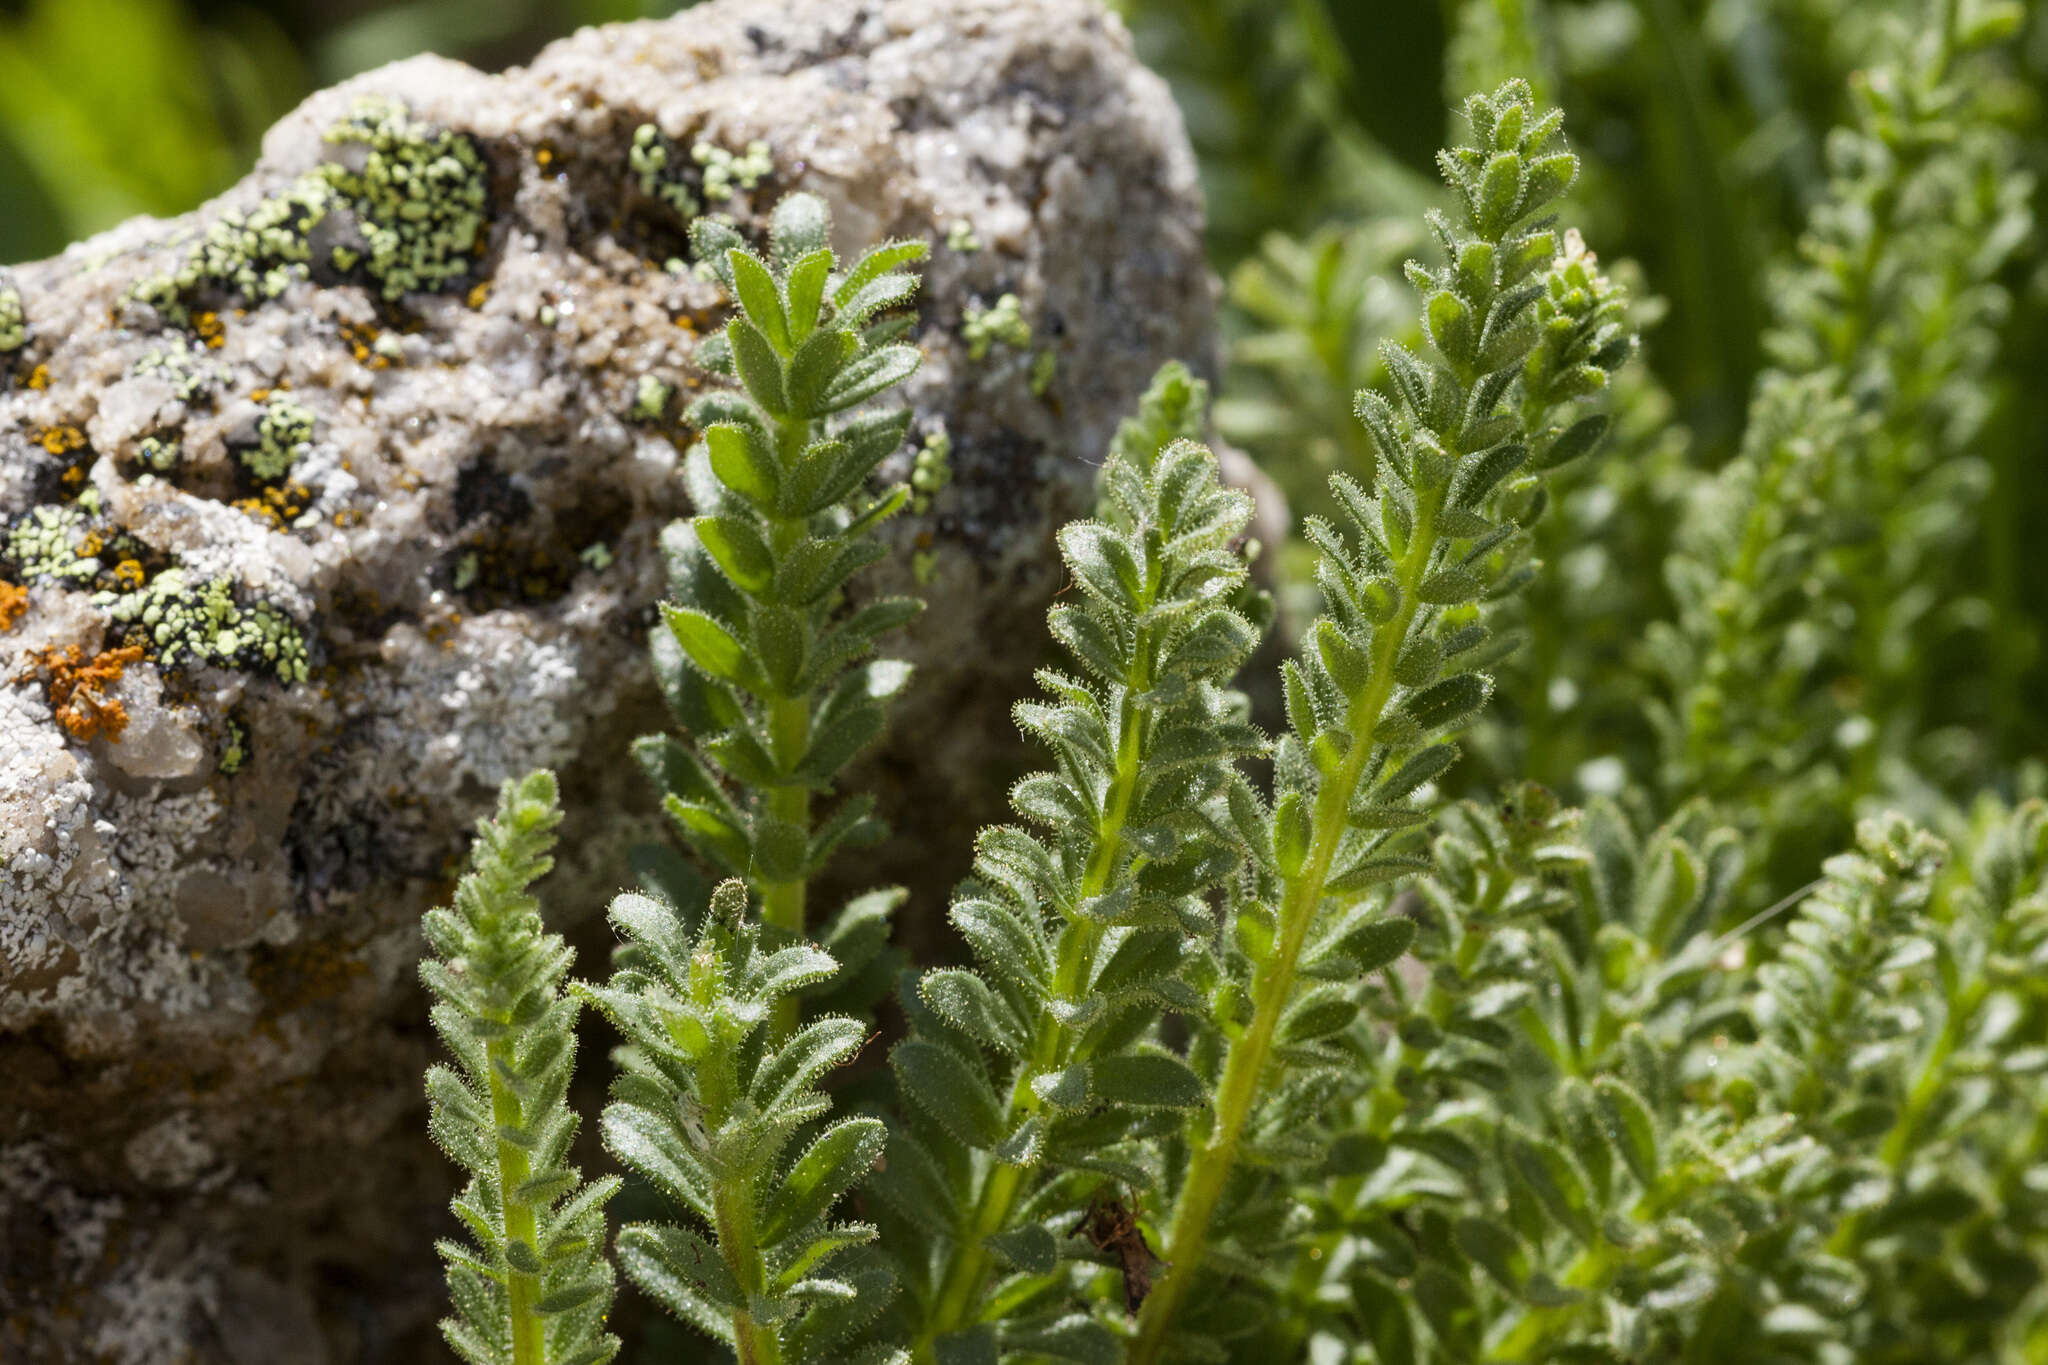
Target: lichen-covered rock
329, 506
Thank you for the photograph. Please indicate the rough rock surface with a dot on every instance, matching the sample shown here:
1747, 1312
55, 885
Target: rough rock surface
332, 504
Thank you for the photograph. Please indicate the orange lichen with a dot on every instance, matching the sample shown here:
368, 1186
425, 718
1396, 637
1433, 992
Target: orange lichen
543, 155
278, 506
60, 440
77, 687
13, 602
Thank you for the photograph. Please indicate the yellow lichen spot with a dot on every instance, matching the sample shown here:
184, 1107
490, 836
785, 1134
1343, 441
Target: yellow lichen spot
543, 155
60, 440
278, 506
13, 602
481, 292
39, 377
76, 688
128, 575
259, 395
209, 328
91, 544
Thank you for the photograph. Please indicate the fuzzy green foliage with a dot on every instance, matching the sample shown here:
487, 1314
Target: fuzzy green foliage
1045, 1063
1818, 564
771, 681
534, 1286
1395, 667
723, 1115
1262, 1049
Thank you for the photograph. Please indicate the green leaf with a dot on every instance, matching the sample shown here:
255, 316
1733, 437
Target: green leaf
1102, 563
833, 1164
1496, 1249
739, 551
1580, 438
1448, 703
1499, 194
965, 1001
676, 1265
759, 295
1293, 830
1630, 1127
782, 637
939, 1081
741, 458
1348, 667
1317, 1014
1451, 587
806, 289
1066, 1088
1146, 1080
869, 374
1549, 1174
1031, 1248
876, 261
815, 366
707, 643
760, 368
1376, 943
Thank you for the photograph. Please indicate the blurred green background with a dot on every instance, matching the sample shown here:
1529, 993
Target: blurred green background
1702, 122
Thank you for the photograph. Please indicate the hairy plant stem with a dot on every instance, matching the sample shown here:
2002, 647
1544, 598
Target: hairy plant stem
1079, 939
733, 1204
1273, 979
733, 1217
522, 1290
789, 734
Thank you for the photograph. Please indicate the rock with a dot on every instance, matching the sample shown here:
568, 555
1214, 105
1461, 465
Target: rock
335, 503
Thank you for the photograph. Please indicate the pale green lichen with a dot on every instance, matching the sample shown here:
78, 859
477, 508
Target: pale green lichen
931, 471
984, 327
417, 198
13, 320
254, 254
234, 751
466, 570
159, 454
651, 159
284, 435
1044, 366
725, 173
189, 376
596, 556
961, 237
650, 398
46, 542
201, 622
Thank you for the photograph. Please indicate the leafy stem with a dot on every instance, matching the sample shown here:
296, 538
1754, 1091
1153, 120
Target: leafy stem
1187, 1237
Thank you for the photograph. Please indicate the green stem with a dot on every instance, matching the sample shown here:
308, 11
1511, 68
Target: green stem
522, 1289
733, 1204
960, 1285
1273, 980
789, 736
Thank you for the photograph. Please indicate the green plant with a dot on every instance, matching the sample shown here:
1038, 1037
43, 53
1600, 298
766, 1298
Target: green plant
708, 1101
1268, 1049
769, 680
536, 1288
